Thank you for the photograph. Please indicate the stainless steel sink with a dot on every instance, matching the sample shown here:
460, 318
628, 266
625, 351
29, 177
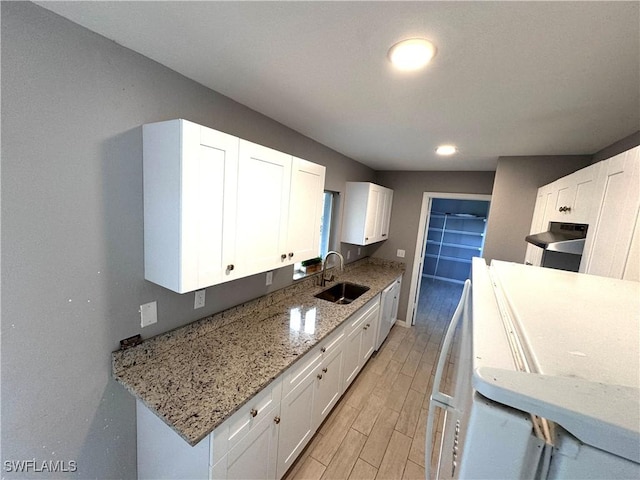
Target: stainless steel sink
342, 293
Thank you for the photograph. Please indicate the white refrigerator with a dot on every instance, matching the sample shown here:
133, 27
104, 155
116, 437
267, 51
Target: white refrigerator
548, 377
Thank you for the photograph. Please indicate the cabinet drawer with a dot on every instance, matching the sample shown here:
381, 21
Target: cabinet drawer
362, 314
301, 370
332, 342
244, 420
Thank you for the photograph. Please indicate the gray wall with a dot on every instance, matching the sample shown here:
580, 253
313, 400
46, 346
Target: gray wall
408, 189
620, 146
72, 258
514, 197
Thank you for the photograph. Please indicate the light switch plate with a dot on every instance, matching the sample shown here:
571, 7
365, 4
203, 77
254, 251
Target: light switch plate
401, 253
148, 314
199, 300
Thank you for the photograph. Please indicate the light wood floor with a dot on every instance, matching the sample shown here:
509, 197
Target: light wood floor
377, 430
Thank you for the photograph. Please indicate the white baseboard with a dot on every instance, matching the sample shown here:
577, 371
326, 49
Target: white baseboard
401, 323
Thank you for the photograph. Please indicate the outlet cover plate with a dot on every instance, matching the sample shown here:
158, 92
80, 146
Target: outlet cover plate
148, 314
199, 300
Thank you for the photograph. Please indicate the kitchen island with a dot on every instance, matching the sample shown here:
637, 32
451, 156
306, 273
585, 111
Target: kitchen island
197, 376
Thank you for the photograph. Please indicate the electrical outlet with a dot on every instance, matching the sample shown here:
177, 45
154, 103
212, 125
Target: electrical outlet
148, 314
359, 250
348, 254
199, 300
401, 253
269, 278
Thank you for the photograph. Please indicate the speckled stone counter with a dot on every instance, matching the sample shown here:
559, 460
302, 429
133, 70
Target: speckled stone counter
198, 375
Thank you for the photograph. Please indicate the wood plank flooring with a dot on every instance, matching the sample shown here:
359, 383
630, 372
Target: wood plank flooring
378, 429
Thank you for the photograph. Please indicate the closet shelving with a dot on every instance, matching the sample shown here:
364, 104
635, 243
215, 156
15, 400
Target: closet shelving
453, 240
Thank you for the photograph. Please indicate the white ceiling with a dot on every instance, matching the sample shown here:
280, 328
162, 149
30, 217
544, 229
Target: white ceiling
509, 78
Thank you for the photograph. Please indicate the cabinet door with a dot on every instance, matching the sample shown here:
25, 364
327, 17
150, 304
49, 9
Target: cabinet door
576, 195
264, 180
566, 191
369, 331
189, 200
366, 213
305, 210
632, 267
396, 299
328, 385
551, 197
534, 254
213, 210
255, 456
385, 221
352, 346
372, 226
296, 425
611, 239
584, 202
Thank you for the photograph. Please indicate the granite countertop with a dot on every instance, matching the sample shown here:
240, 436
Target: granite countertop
198, 375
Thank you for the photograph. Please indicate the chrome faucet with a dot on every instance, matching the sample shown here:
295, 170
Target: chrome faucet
323, 280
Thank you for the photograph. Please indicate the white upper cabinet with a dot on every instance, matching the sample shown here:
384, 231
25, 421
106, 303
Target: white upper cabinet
387, 199
611, 248
576, 195
305, 210
367, 213
543, 199
264, 182
217, 208
605, 196
189, 196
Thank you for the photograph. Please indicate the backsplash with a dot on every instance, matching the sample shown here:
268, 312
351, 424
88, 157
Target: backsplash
165, 342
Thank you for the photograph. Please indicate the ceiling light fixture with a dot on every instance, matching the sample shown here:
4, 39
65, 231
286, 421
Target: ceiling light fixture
412, 54
446, 150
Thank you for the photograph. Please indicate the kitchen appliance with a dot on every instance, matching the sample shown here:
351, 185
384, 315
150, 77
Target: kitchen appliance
562, 245
548, 377
388, 311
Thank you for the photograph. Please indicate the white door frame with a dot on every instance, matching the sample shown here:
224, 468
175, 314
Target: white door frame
418, 261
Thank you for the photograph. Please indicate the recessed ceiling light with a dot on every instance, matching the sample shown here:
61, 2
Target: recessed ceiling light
446, 150
412, 54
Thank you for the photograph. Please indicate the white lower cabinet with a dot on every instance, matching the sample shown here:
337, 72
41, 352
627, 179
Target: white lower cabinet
310, 390
163, 454
265, 436
296, 427
254, 456
369, 332
360, 339
328, 385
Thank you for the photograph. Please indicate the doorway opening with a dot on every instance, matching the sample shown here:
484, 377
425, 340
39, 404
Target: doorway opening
451, 232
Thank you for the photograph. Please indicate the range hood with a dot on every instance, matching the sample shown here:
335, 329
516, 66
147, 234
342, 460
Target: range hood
561, 237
